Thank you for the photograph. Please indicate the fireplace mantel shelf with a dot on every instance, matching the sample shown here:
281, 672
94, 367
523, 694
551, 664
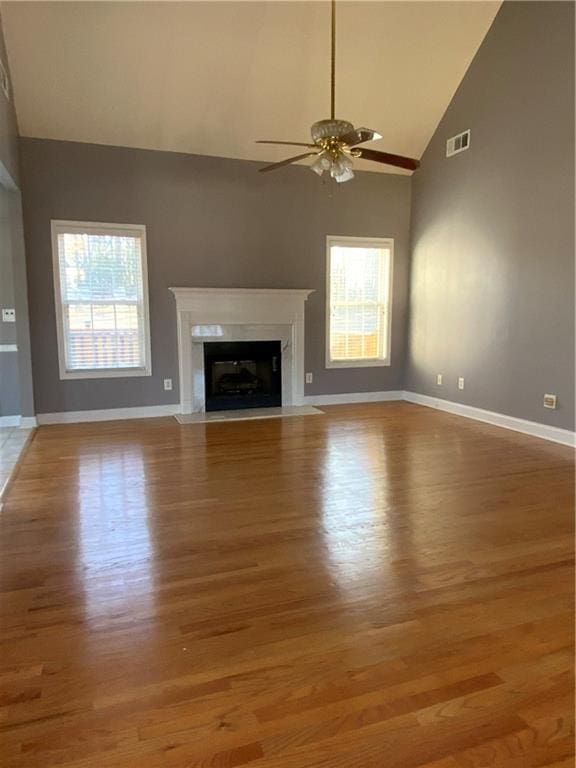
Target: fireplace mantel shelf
257, 314
183, 293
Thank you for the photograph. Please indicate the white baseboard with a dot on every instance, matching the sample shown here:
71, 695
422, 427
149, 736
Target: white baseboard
153, 411
24, 422
108, 414
533, 428
354, 397
9, 421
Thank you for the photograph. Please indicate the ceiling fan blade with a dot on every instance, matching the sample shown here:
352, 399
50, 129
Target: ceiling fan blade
388, 159
286, 162
285, 143
359, 136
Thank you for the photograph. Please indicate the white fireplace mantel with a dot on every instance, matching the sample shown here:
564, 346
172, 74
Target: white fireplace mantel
239, 314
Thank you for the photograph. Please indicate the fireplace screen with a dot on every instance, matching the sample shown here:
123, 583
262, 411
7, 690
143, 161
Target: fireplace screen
242, 374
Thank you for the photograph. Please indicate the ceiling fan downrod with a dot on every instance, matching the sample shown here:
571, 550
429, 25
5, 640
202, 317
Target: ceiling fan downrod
333, 63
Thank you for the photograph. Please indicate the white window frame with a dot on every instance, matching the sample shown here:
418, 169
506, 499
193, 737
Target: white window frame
366, 242
59, 227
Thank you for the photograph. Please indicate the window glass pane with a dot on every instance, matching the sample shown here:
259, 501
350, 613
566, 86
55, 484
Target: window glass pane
355, 274
100, 267
359, 280
102, 300
126, 316
104, 319
80, 317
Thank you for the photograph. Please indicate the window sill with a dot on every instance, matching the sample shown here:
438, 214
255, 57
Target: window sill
378, 363
106, 373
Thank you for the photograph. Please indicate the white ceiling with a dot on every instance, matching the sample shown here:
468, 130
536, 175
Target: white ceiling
211, 77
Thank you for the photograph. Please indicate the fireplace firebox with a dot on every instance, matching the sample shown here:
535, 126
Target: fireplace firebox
242, 374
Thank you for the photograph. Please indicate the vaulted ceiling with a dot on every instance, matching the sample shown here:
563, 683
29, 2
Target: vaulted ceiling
211, 77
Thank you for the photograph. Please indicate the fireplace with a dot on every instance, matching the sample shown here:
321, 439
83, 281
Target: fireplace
242, 374
219, 315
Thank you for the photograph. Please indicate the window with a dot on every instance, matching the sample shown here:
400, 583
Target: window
101, 288
358, 301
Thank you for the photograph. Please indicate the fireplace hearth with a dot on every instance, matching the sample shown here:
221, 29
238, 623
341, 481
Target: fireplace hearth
242, 374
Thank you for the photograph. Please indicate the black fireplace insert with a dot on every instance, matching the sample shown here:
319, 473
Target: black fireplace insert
242, 374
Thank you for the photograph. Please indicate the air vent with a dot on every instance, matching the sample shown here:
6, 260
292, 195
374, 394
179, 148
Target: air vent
4, 81
458, 143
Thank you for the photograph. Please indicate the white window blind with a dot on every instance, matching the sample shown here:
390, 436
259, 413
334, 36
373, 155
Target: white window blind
101, 292
359, 283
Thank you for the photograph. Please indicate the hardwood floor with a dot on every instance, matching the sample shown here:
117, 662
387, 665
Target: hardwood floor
385, 586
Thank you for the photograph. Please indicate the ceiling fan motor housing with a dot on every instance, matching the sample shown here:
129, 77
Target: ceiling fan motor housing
328, 129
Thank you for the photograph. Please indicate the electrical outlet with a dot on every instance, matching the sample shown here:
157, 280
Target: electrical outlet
439, 379
550, 401
309, 378
167, 384
461, 382
8, 315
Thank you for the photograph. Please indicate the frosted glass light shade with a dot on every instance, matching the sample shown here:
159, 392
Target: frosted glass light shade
346, 175
340, 168
322, 163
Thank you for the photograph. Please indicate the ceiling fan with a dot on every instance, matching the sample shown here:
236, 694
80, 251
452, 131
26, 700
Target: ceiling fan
336, 142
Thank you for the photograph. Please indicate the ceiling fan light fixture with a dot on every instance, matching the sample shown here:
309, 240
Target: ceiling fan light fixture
322, 163
346, 175
345, 162
339, 166
342, 168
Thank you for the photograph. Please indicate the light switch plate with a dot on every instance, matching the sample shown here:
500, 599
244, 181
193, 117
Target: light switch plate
8, 315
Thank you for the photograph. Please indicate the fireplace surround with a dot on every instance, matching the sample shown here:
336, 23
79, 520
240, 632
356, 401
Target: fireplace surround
206, 315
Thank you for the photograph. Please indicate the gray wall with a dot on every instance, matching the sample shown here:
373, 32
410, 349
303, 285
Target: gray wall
210, 222
7, 330
8, 125
9, 375
492, 278
26, 390
16, 395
